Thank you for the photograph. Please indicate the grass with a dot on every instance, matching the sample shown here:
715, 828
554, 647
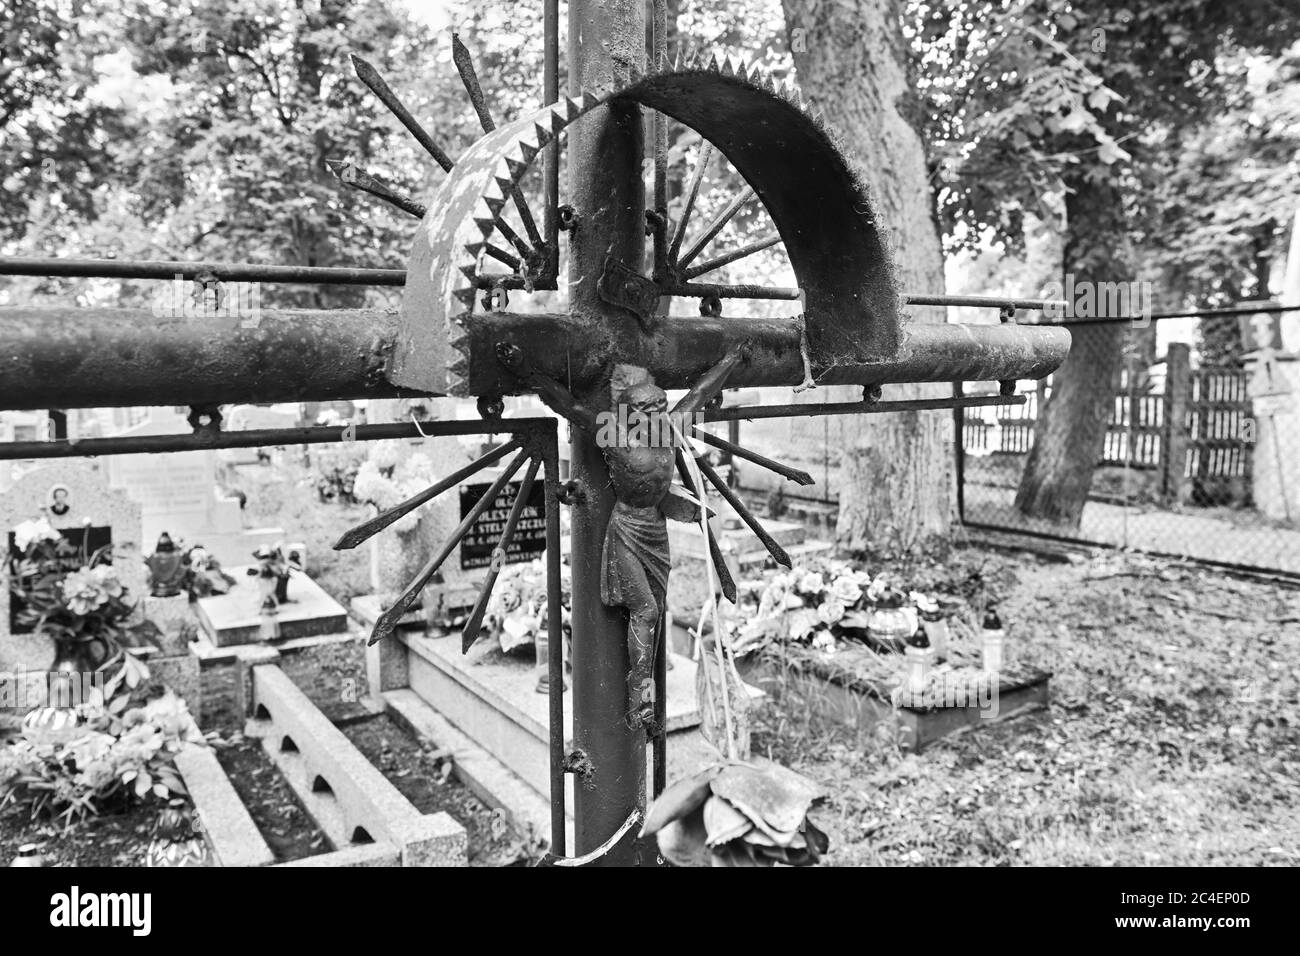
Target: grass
1173, 736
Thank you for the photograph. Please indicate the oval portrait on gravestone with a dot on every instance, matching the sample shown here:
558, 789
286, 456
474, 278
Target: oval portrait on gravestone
60, 502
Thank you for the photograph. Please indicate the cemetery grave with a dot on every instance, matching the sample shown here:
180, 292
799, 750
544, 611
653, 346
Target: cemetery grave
1169, 739
270, 814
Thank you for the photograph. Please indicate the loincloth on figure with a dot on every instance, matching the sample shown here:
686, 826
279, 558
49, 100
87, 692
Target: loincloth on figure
635, 537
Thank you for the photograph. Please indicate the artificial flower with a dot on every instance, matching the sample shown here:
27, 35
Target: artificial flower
738, 814
387, 454
29, 532
845, 589
830, 611
801, 623
370, 485
810, 583
107, 577
83, 592
924, 603
824, 641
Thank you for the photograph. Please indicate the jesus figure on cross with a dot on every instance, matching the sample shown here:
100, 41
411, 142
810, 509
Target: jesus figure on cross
636, 559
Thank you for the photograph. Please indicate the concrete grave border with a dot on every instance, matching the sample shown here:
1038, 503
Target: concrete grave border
227, 825
345, 792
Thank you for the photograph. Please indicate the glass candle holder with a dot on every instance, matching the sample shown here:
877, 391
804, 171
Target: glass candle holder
993, 647
918, 668
936, 630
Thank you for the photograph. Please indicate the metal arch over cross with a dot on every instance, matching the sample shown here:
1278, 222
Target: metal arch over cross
457, 336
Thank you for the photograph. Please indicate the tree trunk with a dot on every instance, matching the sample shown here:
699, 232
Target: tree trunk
1071, 431
852, 62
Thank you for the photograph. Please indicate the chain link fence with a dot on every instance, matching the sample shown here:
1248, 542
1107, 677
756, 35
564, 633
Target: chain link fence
1201, 452
1200, 456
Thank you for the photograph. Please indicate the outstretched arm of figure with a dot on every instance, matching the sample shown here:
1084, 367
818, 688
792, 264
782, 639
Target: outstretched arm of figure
711, 382
555, 395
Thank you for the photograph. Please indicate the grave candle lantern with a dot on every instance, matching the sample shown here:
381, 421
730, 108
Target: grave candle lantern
889, 622
935, 624
993, 638
919, 655
29, 855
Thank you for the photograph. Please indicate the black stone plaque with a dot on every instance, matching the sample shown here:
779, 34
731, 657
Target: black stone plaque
483, 535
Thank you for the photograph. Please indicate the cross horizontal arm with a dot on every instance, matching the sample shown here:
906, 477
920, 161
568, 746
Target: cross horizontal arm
75, 358
684, 348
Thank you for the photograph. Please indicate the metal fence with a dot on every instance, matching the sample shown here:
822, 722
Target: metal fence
1200, 459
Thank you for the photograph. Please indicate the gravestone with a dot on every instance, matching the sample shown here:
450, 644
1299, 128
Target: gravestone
177, 493
1274, 389
1275, 403
236, 617
480, 541
76, 499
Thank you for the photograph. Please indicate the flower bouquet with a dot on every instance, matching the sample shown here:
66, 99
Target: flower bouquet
516, 612
823, 603
75, 599
388, 477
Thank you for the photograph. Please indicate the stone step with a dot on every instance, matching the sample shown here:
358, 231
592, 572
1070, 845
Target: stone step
757, 560
686, 540
492, 700
491, 780
496, 785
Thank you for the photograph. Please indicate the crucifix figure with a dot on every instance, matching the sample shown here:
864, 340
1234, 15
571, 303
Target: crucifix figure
636, 560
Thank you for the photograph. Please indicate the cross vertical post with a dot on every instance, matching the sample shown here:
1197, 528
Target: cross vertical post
605, 189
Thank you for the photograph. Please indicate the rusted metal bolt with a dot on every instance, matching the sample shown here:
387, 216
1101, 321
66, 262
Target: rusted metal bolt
871, 394
579, 764
566, 217
204, 419
490, 406
711, 305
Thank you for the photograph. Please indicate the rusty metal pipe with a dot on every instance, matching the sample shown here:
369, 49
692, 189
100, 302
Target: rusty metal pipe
72, 358
225, 271
265, 438
78, 358
737, 413
571, 350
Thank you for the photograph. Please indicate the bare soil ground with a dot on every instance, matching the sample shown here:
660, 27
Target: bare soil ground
120, 839
1173, 735
285, 824
424, 777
